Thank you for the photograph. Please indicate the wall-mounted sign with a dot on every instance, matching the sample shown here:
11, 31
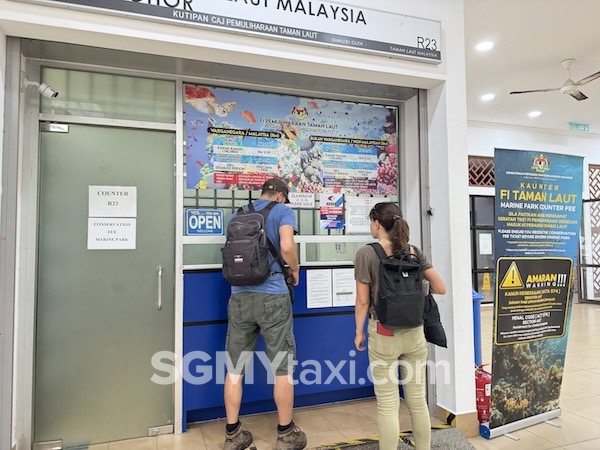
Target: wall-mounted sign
325, 23
302, 200
331, 210
581, 127
204, 222
357, 213
238, 139
112, 201
108, 233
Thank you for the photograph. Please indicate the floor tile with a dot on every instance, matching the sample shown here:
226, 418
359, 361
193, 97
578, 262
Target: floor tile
326, 437
588, 445
573, 429
527, 441
587, 408
192, 439
148, 443
344, 416
364, 430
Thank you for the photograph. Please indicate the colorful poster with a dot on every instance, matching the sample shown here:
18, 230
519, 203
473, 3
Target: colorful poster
332, 211
538, 210
237, 139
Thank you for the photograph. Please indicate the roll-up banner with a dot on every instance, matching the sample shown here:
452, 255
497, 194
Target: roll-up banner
538, 212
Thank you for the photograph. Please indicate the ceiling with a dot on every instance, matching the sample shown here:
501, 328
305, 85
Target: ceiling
531, 38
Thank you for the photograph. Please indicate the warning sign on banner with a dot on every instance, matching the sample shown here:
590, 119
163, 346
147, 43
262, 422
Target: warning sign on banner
531, 298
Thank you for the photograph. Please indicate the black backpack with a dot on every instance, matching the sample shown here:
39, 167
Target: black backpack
246, 250
400, 300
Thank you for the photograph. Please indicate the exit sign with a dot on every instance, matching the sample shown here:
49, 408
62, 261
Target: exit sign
582, 127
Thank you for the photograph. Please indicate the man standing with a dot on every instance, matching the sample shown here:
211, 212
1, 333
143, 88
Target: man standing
265, 308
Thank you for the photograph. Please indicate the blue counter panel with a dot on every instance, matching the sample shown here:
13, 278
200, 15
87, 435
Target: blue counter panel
205, 296
329, 368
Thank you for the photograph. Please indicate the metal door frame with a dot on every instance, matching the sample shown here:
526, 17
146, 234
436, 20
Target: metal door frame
8, 237
28, 172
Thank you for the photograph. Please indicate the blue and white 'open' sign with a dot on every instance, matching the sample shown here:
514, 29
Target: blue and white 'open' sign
203, 221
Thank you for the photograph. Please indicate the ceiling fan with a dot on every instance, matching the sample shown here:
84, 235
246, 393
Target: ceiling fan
569, 86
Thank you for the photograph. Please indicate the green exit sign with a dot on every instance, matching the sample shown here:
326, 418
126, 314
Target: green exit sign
582, 127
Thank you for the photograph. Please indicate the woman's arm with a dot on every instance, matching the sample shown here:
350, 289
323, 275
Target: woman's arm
436, 284
360, 313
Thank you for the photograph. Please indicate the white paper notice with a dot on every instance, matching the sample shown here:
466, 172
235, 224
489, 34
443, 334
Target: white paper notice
357, 213
485, 244
111, 233
318, 288
112, 201
344, 287
302, 199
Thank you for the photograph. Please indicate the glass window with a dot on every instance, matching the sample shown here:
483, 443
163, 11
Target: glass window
483, 211
92, 94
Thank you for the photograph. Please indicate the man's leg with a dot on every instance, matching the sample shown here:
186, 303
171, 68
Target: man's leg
240, 343
233, 396
277, 330
283, 393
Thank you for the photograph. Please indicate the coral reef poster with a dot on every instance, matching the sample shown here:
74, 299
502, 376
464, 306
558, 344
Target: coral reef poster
538, 211
236, 139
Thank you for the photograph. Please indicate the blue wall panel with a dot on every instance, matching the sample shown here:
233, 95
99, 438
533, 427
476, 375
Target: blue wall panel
329, 368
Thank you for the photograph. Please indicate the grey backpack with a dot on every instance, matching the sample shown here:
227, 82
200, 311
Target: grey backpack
246, 250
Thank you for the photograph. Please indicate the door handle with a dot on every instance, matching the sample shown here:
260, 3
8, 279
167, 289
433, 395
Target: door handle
159, 272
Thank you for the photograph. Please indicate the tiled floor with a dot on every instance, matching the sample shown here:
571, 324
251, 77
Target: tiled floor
580, 404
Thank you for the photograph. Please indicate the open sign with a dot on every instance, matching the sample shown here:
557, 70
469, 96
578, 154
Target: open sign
204, 222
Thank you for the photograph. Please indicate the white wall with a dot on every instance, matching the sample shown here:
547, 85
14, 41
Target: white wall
484, 137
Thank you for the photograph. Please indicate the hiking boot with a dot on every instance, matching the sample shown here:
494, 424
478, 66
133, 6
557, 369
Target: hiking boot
240, 439
292, 439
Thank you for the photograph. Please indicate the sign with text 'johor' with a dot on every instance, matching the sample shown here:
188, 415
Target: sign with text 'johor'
316, 22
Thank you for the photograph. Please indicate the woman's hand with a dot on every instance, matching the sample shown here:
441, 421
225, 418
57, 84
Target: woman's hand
359, 341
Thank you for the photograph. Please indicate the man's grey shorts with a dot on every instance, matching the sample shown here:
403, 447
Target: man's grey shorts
271, 314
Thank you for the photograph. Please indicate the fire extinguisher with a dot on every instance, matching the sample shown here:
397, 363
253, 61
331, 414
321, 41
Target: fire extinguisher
483, 392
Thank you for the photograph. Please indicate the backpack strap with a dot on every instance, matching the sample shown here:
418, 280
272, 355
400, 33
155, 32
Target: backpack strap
379, 250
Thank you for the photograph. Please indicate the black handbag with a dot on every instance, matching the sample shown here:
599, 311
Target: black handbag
434, 330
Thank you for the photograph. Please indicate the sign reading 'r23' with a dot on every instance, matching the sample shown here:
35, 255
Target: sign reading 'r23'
204, 222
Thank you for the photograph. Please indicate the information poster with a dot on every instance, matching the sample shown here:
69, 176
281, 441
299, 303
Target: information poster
344, 287
237, 139
318, 288
357, 214
538, 210
332, 211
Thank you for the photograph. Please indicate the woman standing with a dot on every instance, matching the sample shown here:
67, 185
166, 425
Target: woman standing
390, 348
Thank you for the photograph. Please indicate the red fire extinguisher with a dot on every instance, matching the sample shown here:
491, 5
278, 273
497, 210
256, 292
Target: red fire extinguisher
483, 392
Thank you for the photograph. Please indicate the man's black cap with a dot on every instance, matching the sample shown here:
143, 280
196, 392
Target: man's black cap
276, 185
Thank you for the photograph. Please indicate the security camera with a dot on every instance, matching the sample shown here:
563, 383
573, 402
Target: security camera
47, 91
43, 88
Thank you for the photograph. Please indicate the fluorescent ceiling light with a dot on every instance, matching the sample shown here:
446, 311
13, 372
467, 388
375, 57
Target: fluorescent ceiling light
484, 46
535, 114
487, 97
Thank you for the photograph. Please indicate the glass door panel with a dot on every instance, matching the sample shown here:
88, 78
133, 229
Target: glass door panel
98, 318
